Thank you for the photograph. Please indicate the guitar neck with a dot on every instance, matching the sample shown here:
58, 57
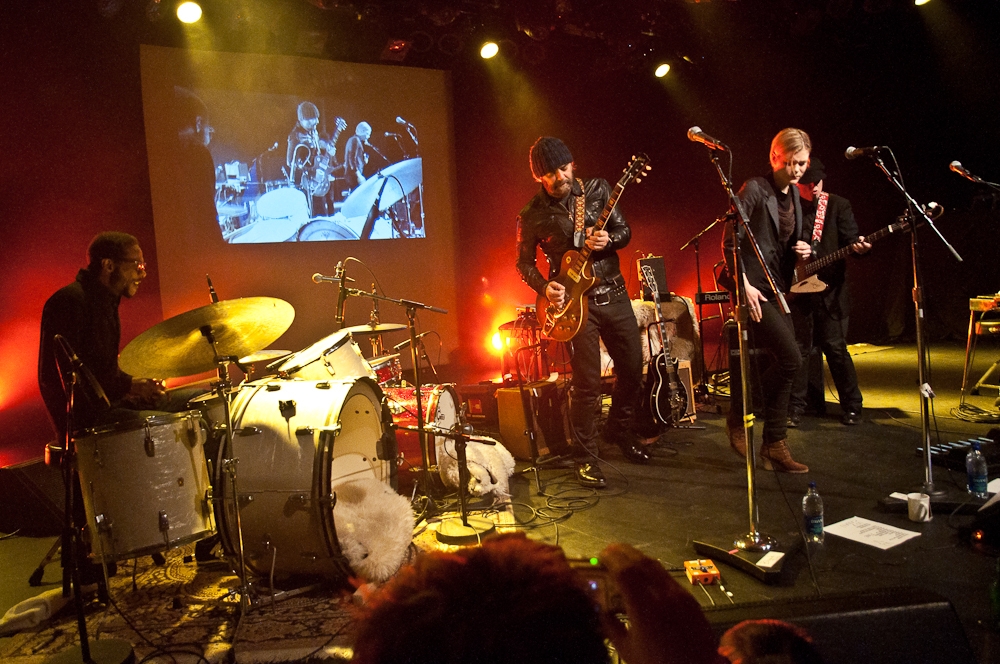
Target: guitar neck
820, 263
647, 273
605, 215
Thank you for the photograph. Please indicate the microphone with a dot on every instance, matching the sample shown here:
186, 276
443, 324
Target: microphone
342, 296
78, 367
320, 278
211, 290
698, 136
400, 346
401, 121
390, 134
853, 152
273, 147
958, 168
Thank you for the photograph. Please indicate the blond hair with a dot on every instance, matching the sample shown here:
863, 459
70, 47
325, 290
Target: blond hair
789, 141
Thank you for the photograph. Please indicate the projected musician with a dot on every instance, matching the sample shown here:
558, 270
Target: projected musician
356, 155
311, 157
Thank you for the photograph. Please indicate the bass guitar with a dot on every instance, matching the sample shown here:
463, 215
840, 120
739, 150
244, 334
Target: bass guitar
668, 398
804, 278
576, 272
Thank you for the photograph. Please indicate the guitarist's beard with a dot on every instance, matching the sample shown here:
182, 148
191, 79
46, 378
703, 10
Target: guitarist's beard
561, 189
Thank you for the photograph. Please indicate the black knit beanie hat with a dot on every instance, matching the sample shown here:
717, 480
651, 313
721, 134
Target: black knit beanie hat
548, 154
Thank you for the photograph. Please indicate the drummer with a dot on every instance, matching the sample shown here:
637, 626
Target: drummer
85, 313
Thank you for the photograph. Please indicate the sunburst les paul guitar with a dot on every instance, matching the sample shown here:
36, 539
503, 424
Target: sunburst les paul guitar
576, 272
804, 278
668, 399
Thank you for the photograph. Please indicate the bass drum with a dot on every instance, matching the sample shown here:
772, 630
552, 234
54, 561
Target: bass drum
296, 442
336, 356
440, 405
145, 485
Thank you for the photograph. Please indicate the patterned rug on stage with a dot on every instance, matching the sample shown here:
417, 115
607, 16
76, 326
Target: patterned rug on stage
181, 611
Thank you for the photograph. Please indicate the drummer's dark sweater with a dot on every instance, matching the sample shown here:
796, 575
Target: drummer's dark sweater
85, 313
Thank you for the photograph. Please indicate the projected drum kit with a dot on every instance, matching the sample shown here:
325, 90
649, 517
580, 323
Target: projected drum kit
323, 416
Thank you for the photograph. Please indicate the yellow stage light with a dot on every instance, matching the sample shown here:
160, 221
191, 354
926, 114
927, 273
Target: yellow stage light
662, 70
188, 12
489, 50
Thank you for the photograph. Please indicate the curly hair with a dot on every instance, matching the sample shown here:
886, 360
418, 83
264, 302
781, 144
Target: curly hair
512, 600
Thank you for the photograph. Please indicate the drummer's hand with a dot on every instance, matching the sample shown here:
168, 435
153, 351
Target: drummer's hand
145, 392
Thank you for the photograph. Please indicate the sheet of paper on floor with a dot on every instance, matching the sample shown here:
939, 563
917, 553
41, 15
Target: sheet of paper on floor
870, 532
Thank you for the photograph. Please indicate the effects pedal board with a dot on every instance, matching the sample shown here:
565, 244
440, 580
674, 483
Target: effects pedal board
702, 571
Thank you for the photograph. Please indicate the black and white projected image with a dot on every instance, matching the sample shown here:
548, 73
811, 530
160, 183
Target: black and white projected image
332, 181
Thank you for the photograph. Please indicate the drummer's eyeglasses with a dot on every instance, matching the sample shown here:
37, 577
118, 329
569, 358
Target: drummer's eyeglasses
139, 265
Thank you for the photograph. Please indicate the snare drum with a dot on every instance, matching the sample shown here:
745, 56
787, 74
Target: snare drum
296, 442
388, 370
335, 357
440, 406
145, 485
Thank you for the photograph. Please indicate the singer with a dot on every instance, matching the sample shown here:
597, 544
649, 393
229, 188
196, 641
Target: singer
355, 155
775, 215
559, 218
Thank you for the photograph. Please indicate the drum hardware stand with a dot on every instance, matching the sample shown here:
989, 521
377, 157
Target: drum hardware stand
914, 212
701, 389
373, 319
750, 548
90, 651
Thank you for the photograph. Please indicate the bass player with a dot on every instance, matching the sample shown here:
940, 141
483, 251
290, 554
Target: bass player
560, 218
820, 319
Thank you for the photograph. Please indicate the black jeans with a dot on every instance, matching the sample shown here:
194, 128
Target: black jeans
815, 326
772, 386
615, 323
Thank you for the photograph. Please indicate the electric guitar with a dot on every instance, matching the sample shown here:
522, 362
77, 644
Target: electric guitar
317, 179
804, 279
576, 272
668, 398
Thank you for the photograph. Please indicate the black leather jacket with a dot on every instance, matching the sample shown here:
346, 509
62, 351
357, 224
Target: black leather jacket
546, 222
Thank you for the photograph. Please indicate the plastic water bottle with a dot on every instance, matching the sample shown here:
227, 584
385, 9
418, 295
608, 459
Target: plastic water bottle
975, 467
812, 514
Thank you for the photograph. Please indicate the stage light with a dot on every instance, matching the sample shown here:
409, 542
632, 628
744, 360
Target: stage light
189, 12
661, 70
497, 342
489, 50
920, 2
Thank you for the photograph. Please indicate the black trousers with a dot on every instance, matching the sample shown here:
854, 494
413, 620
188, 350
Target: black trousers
770, 386
815, 327
615, 323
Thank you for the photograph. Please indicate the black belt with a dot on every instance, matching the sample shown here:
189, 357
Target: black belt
617, 287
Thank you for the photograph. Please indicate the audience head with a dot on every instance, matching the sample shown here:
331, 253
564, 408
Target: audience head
511, 600
768, 642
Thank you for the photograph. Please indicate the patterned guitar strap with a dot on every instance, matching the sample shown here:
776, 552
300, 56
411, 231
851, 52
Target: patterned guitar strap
578, 216
821, 202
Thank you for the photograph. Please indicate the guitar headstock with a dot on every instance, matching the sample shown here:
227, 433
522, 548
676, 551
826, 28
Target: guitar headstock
637, 168
650, 279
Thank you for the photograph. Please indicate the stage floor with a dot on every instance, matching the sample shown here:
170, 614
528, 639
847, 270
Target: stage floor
695, 489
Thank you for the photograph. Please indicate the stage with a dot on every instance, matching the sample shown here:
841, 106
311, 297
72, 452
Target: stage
883, 604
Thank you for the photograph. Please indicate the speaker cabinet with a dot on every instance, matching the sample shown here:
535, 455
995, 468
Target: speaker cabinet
32, 496
885, 626
547, 404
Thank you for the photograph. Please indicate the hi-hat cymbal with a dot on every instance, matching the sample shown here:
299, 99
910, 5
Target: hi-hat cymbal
264, 356
381, 328
179, 347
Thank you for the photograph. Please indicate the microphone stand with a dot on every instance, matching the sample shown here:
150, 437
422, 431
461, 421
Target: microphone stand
89, 651
701, 388
753, 547
915, 210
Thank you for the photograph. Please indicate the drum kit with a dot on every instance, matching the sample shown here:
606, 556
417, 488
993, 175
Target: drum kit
321, 417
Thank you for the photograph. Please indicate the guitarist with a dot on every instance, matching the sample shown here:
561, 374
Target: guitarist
559, 218
820, 319
306, 146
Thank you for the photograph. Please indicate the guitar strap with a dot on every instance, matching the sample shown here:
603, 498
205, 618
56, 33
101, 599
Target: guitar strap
578, 215
821, 202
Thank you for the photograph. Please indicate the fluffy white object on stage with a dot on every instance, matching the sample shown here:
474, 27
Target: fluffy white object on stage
374, 528
490, 467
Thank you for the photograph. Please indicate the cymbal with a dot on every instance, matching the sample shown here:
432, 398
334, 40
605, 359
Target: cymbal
264, 356
387, 186
381, 328
176, 347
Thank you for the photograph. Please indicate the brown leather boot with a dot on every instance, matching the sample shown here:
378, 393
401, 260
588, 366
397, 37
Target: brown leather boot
778, 457
737, 438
